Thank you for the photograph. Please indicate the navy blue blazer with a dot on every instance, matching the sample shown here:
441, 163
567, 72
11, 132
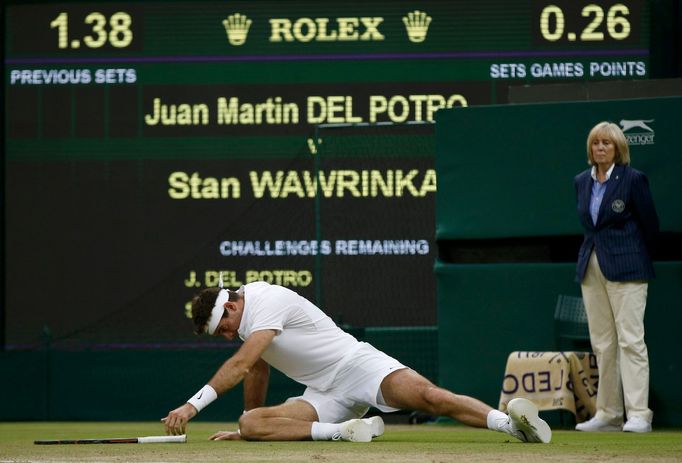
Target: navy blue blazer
627, 225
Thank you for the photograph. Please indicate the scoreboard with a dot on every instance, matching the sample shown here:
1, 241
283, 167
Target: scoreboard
150, 145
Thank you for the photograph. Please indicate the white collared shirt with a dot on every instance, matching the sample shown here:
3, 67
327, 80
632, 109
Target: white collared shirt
309, 348
598, 190
593, 172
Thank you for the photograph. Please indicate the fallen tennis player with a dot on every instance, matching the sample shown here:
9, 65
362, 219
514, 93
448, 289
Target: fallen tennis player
343, 377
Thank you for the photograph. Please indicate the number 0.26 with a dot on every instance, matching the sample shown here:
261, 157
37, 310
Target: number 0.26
617, 25
119, 36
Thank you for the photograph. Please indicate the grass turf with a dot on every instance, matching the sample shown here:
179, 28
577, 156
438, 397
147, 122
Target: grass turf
400, 443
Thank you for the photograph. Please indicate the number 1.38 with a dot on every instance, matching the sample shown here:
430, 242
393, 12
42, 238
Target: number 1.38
119, 34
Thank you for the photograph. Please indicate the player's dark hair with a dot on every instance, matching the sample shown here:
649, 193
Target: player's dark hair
202, 305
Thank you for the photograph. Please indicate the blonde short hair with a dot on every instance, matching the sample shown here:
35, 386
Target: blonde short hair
612, 132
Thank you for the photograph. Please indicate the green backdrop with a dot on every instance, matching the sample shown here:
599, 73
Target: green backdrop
506, 172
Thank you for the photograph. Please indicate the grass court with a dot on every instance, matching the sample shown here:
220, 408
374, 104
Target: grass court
401, 443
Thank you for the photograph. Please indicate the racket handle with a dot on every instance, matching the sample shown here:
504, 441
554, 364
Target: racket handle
162, 439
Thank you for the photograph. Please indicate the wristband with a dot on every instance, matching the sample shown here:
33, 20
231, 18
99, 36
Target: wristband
201, 399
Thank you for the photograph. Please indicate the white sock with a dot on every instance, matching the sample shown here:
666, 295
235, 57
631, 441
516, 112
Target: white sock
497, 421
324, 431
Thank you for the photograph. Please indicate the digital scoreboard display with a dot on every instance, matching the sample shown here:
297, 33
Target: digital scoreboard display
150, 145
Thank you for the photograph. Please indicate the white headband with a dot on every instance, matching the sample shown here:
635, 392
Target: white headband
217, 312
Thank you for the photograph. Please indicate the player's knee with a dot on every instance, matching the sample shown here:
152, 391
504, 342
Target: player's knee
430, 395
248, 426
433, 397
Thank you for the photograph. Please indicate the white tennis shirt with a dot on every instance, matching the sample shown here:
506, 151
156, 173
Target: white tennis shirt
309, 347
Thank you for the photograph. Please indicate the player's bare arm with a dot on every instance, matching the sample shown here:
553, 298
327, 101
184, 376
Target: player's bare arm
255, 391
233, 371
256, 385
228, 375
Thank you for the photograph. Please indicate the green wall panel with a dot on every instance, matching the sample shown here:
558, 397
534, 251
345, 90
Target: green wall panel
487, 311
24, 386
507, 171
143, 385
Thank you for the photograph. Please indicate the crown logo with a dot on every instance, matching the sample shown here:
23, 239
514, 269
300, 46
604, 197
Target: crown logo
237, 28
417, 25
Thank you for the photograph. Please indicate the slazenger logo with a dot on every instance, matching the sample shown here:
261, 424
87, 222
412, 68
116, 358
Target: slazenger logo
638, 131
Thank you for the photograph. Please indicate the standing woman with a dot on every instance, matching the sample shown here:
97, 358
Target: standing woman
620, 224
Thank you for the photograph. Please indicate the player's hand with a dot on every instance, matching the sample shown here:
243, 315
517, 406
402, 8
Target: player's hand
226, 435
176, 421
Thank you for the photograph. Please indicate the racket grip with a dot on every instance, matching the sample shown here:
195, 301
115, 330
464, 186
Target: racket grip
162, 439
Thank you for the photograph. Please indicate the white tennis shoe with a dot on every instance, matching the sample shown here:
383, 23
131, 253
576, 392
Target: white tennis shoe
525, 424
637, 424
597, 425
361, 430
376, 424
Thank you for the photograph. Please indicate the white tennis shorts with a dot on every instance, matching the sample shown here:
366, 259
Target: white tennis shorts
357, 387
